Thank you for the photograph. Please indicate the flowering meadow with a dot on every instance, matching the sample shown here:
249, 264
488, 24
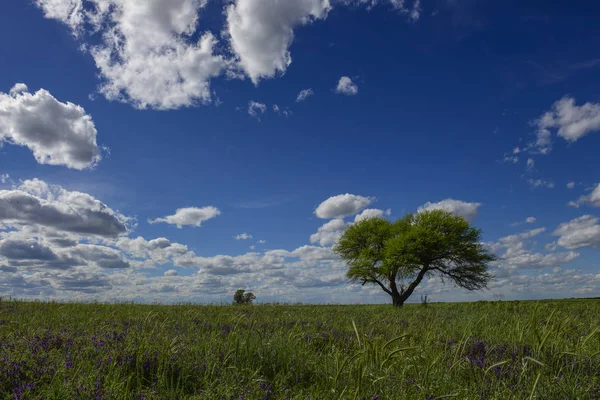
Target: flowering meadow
484, 350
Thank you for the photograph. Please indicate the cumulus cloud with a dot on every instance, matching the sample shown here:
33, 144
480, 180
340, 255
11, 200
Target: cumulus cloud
243, 236
515, 252
256, 110
342, 205
101, 256
170, 272
304, 94
592, 199
189, 216
57, 133
578, 233
371, 213
151, 53
346, 86
155, 54
538, 260
159, 250
571, 122
36, 203
261, 32
329, 232
457, 207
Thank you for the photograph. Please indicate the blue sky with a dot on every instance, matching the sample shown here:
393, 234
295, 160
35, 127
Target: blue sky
134, 110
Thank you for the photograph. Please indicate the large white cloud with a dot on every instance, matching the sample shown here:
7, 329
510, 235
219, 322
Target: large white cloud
189, 216
57, 133
155, 53
580, 232
329, 232
571, 122
261, 32
457, 207
342, 205
35, 203
148, 54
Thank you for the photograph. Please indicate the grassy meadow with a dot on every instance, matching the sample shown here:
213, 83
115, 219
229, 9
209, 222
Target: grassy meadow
484, 350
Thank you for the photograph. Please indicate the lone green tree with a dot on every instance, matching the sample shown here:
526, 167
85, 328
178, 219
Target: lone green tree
243, 297
396, 256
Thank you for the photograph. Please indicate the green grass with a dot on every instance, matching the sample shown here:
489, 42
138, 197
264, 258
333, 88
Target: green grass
485, 350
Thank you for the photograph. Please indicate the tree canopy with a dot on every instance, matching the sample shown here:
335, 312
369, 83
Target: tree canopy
396, 256
243, 297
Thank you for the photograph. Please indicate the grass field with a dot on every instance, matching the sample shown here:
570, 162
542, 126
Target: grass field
486, 350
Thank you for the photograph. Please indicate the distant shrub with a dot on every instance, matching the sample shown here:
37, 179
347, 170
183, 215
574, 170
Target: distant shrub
424, 300
242, 297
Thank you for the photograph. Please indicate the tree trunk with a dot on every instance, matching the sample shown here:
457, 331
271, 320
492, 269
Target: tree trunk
398, 298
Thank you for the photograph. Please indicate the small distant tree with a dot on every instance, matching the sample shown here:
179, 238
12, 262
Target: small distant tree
243, 297
396, 256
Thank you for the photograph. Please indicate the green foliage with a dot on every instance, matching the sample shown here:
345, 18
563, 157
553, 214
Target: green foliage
494, 350
241, 297
398, 255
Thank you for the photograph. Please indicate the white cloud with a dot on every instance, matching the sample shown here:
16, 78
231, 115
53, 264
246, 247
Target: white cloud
256, 109
507, 241
457, 207
346, 86
4, 178
148, 54
189, 216
371, 213
511, 159
580, 232
69, 12
304, 94
243, 236
517, 255
170, 272
342, 205
592, 199
571, 122
57, 133
100, 256
261, 32
262, 241
535, 183
571, 185
329, 232
36, 203
538, 260
159, 251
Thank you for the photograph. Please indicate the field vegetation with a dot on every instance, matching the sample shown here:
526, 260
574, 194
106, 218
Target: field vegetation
484, 350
